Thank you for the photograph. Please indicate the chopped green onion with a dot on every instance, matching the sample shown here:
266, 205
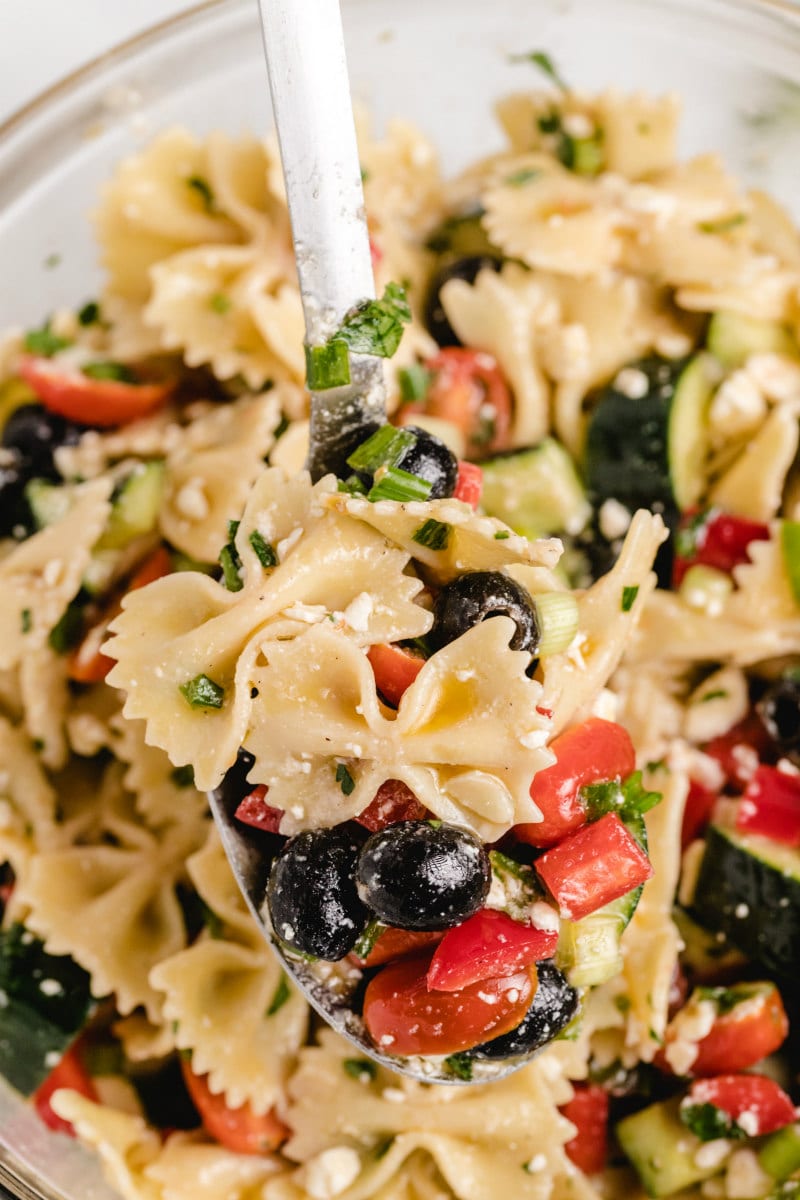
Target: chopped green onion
459, 1065
67, 632
395, 484
345, 779
414, 382
282, 994
202, 692
544, 62
502, 535
183, 776
376, 326
105, 369
264, 552
558, 618
89, 314
433, 534
723, 225
706, 589
522, 176
360, 1068
26, 620
584, 156
44, 342
716, 694
220, 303
231, 565
327, 366
204, 190
384, 448
369, 937
629, 595
790, 546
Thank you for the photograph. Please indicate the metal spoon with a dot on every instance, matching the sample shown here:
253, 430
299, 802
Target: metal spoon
304, 46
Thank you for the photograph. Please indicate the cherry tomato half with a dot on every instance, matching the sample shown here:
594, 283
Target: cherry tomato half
99, 402
237, 1129
395, 669
468, 389
403, 1017
394, 943
69, 1073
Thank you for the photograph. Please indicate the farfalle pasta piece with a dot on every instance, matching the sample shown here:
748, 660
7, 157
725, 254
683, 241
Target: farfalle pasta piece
46, 699
185, 625
112, 906
162, 793
227, 999
123, 1141
202, 494
42, 574
467, 737
753, 485
189, 1167
28, 806
640, 132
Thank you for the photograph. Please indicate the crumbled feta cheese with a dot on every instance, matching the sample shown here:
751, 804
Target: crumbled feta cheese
545, 917
359, 611
738, 408
712, 1154
331, 1172
51, 987
578, 125
191, 501
688, 1027
613, 518
288, 543
744, 1177
632, 382
310, 614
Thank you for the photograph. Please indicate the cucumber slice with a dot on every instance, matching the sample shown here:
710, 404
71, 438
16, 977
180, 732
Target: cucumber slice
686, 436
49, 502
537, 492
662, 1150
748, 888
779, 1155
589, 951
732, 338
135, 505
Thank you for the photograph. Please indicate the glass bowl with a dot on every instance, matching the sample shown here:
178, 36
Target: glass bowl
438, 64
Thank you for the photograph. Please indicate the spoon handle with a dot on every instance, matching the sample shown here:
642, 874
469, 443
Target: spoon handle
304, 46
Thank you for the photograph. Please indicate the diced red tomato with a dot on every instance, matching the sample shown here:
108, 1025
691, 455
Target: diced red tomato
697, 812
395, 669
739, 750
468, 389
101, 402
375, 252
399, 943
487, 945
255, 811
394, 801
771, 806
237, 1129
87, 663
754, 1101
403, 1017
70, 1073
591, 752
592, 867
716, 539
469, 484
588, 1112
751, 1025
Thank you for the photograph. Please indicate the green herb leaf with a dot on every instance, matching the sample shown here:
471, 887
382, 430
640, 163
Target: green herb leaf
203, 189
202, 692
89, 314
376, 326
44, 342
352, 486
414, 382
26, 620
360, 1068
520, 884
392, 483
327, 366
501, 535
629, 595
522, 176
220, 303
183, 776
707, 1122
723, 225
282, 994
114, 371
545, 64
68, 631
459, 1065
263, 550
433, 534
231, 565
345, 779
628, 799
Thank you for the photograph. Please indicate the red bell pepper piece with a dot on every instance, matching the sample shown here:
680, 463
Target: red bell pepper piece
100, 402
771, 806
751, 1023
714, 539
394, 801
592, 752
237, 1129
469, 484
754, 1102
739, 750
700, 802
592, 867
588, 1112
394, 943
255, 811
395, 669
69, 1073
487, 945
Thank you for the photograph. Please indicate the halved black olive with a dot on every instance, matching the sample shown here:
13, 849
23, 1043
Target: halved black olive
34, 434
462, 268
312, 899
476, 597
779, 710
419, 875
554, 1006
431, 460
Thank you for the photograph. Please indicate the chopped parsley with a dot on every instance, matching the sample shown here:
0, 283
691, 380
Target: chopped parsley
44, 342
360, 1068
219, 303
629, 595
89, 314
264, 552
628, 798
707, 1122
345, 779
725, 999
459, 1065
230, 561
202, 692
542, 60
26, 620
202, 188
116, 372
183, 776
282, 994
433, 534
723, 225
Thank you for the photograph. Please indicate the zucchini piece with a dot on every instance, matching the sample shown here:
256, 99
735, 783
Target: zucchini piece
589, 951
732, 338
779, 1155
662, 1150
48, 1002
49, 502
646, 446
705, 957
748, 888
461, 235
135, 505
537, 491
14, 392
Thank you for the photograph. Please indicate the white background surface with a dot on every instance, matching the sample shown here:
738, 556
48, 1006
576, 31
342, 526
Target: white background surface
43, 40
